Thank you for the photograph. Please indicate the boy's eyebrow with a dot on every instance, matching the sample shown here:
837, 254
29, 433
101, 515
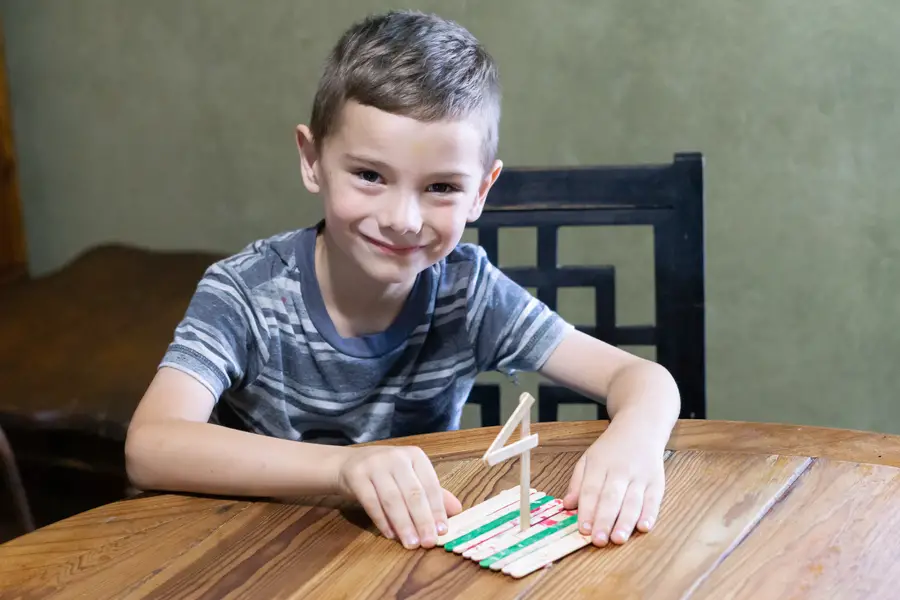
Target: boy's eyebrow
384, 166
365, 159
449, 175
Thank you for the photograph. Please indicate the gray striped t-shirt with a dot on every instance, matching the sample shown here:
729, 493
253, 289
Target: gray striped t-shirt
256, 333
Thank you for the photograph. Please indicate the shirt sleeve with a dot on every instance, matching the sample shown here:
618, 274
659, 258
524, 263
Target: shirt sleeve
221, 341
509, 328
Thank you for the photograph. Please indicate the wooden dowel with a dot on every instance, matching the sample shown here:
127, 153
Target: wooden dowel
525, 476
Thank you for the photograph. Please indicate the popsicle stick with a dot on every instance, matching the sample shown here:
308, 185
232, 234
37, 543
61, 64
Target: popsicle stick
525, 468
467, 520
494, 521
550, 539
500, 543
547, 531
487, 506
483, 508
524, 407
539, 514
497, 453
536, 560
488, 535
496, 535
478, 517
520, 447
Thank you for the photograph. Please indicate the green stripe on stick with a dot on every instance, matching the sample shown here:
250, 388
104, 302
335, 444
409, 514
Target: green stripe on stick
506, 518
487, 562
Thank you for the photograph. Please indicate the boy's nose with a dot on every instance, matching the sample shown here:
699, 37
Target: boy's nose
403, 215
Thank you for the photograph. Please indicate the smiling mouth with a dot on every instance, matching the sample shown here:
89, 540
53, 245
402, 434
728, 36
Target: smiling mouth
391, 249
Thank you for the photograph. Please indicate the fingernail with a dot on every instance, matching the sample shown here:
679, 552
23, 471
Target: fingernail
601, 538
645, 524
622, 536
586, 527
389, 534
441, 528
411, 542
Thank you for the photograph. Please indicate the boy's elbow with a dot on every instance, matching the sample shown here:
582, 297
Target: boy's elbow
662, 373
642, 373
667, 386
138, 456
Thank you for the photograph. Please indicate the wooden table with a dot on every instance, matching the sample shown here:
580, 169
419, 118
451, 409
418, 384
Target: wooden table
751, 511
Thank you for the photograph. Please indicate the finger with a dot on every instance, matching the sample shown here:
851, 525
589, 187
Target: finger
570, 500
632, 505
608, 507
394, 505
587, 502
650, 512
417, 507
434, 493
368, 498
451, 503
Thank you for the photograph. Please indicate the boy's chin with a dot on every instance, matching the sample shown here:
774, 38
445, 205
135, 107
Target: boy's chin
385, 275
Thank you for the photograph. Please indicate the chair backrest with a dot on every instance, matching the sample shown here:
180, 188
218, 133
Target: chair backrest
669, 198
14, 492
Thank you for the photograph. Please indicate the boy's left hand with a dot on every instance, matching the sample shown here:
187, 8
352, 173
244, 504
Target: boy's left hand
617, 485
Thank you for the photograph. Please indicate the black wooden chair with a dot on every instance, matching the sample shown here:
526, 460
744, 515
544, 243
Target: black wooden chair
14, 495
668, 197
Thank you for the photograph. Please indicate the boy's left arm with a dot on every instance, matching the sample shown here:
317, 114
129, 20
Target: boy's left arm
618, 483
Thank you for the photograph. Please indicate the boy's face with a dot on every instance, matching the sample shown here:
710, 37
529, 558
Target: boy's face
397, 192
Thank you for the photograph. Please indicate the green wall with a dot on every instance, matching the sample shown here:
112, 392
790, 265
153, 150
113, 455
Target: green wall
169, 124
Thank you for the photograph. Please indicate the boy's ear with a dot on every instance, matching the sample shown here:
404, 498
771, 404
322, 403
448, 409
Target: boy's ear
309, 159
483, 190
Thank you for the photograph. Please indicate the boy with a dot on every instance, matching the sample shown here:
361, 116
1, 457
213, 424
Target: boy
375, 322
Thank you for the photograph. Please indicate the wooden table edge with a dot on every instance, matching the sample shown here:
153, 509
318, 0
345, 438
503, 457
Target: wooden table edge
845, 445
814, 441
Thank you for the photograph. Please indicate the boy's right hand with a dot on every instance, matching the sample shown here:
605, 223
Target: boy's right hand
400, 491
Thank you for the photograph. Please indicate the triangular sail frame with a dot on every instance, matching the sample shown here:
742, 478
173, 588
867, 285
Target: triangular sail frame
497, 452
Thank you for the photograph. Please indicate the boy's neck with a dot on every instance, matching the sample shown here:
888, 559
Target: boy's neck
355, 305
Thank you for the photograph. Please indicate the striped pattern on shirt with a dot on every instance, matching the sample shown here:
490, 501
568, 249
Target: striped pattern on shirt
256, 333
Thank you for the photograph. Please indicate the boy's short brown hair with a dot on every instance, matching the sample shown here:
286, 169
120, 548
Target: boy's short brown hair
412, 64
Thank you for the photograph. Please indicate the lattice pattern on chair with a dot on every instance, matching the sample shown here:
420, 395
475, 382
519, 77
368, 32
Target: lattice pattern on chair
667, 197
487, 397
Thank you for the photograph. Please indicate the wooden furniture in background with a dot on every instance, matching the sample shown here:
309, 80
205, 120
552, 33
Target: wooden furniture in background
13, 258
15, 498
77, 350
667, 197
750, 511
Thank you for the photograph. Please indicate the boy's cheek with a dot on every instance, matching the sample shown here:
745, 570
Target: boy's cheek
348, 205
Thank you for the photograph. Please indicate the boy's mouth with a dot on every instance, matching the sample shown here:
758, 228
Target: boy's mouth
391, 248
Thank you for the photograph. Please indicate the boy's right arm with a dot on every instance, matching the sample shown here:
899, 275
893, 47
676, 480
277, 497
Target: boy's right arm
171, 446
222, 342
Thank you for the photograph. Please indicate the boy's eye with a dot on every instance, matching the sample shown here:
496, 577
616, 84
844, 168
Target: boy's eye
442, 188
368, 176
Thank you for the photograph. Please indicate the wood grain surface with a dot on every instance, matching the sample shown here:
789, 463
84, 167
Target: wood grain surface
713, 500
835, 536
783, 512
